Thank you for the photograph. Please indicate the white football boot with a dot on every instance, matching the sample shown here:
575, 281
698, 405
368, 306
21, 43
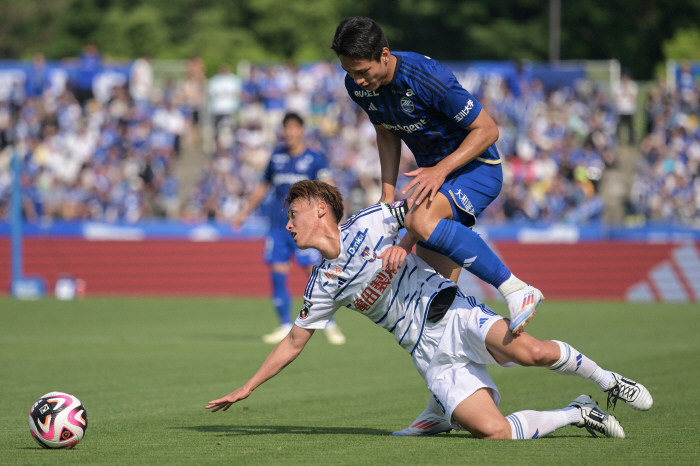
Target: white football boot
522, 305
430, 422
629, 391
277, 334
333, 334
595, 419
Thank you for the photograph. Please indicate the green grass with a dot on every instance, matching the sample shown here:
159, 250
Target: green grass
145, 369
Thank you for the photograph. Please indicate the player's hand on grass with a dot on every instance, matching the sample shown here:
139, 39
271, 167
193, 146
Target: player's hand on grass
226, 402
427, 181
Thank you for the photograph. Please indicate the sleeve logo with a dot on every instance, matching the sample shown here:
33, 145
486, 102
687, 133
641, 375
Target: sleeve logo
305, 310
465, 111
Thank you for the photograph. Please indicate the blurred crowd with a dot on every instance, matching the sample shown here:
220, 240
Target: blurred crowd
92, 153
666, 186
109, 155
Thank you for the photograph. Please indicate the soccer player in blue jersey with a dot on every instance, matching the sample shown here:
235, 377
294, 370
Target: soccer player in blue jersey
412, 98
289, 163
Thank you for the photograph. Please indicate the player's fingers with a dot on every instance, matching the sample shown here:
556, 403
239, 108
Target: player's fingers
410, 186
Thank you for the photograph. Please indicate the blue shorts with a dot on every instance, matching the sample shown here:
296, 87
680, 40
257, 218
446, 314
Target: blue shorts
280, 248
471, 189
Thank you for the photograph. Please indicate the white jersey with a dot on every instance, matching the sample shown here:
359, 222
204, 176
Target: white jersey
408, 303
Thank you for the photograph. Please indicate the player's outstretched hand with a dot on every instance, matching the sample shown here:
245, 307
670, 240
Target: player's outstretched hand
226, 402
238, 219
427, 181
392, 258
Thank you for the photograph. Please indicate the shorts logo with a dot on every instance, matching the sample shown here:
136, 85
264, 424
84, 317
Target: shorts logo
464, 200
305, 310
407, 105
368, 255
356, 242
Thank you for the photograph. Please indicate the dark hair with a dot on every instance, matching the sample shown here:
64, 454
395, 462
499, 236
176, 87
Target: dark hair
319, 190
292, 116
359, 37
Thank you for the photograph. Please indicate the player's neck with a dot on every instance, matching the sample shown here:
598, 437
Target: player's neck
390, 70
329, 242
297, 149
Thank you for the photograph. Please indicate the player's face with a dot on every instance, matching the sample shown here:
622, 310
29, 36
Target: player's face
293, 133
368, 74
302, 222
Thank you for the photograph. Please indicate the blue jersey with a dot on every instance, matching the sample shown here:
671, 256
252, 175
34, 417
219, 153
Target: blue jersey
425, 106
283, 170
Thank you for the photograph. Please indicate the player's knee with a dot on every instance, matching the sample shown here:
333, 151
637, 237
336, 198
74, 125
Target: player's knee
492, 429
534, 355
420, 226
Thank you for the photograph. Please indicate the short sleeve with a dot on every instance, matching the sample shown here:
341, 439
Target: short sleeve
318, 306
458, 104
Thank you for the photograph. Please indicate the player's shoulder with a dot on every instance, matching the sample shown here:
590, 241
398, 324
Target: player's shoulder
372, 215
425, 74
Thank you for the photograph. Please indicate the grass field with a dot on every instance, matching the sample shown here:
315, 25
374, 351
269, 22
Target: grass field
145, 369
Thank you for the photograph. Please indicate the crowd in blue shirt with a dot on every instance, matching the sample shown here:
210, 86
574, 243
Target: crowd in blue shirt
666, 186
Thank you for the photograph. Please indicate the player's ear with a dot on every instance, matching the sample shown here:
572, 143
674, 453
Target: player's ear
321, 209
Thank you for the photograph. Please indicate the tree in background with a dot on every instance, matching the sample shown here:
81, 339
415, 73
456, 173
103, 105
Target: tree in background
300, 30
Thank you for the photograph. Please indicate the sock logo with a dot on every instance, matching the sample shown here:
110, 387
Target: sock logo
579, 358
468, 262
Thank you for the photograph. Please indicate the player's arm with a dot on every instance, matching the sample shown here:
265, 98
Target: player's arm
256, 198
483, 132
284, 353
389, 146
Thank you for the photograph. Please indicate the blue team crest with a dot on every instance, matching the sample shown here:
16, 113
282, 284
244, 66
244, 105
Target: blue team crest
368, 255
407, 105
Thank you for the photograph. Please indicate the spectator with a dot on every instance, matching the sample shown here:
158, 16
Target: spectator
626, 105
224, 97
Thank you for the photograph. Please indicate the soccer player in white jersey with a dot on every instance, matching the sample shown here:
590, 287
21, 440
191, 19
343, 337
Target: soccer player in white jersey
450, 337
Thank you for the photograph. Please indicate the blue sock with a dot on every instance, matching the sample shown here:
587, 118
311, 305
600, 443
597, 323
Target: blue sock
280, 296
466, 247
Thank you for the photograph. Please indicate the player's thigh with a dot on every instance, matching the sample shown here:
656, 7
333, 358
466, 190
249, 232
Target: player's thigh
480, 416
471, 189
523, 349
442, 264
422, 219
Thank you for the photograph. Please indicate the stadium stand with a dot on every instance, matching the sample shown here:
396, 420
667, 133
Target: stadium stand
666, 186
112, 159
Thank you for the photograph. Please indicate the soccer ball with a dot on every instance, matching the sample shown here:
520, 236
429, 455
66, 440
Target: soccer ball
57, 420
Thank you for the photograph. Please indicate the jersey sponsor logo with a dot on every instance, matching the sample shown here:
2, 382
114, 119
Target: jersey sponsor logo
373, 291
368, 254
407, 105
332, 274
364, 93
356, 242
372, 107
465, 111
288, 178
407, 128
304, 313
409, 92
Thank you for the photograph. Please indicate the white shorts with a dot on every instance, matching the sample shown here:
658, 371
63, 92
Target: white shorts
457, 368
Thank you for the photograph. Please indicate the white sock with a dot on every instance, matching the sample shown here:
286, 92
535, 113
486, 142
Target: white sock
571, 362
511, 285
536, 424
